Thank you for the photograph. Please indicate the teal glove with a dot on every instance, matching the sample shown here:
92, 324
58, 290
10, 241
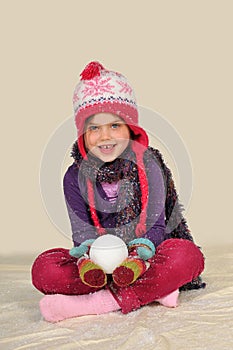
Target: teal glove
144, 247
82, 249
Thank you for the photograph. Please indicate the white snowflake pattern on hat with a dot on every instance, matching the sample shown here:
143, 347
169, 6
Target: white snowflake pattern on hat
126, 88
97, 86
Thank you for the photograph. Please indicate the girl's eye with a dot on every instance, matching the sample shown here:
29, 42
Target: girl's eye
115, 125
92, 128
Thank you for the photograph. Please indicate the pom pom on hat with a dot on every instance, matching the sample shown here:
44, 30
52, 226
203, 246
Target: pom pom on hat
91, 70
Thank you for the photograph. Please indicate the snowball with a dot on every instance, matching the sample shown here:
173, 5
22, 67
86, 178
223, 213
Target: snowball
108, 251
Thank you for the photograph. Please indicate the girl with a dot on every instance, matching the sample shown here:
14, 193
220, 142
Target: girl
118, 185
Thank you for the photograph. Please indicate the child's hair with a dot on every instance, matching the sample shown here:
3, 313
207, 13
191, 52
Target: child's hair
104, 91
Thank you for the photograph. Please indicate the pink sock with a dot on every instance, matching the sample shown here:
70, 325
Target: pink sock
58, 307
170, 300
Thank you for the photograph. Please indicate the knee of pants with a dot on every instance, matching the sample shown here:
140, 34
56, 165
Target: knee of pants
51, 266
181, 252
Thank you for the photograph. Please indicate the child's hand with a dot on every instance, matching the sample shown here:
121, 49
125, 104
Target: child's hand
144, 247
82, 249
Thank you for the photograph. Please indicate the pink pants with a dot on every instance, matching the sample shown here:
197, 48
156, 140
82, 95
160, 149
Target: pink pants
176, 262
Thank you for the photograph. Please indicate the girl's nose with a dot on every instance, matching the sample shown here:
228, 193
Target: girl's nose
105, 133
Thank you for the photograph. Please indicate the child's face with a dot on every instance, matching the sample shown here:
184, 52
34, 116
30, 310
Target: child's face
106, 136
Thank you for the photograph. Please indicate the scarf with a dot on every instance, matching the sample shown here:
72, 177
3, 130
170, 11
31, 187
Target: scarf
123, 169
128, 206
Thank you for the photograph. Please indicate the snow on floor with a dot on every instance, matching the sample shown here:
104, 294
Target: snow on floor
203, 320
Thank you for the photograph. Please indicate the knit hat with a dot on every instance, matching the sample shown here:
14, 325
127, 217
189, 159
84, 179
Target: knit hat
104, 91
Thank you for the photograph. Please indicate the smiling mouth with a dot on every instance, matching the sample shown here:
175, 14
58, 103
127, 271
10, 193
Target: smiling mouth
106, 148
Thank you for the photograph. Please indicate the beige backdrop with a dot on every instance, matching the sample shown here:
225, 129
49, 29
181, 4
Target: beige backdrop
176, 54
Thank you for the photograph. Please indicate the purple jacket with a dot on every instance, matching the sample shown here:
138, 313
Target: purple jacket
75, 192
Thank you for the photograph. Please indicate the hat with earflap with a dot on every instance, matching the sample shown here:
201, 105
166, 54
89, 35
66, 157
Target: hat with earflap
104, 91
